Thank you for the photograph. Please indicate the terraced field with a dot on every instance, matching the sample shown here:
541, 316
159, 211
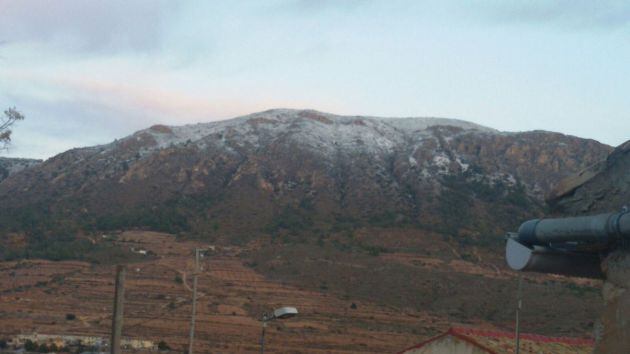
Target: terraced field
36, 295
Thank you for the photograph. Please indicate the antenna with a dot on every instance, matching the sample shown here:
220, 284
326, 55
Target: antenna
519, 305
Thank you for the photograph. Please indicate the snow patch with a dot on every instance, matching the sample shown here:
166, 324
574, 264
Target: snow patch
464, 166
324, 133
441, 160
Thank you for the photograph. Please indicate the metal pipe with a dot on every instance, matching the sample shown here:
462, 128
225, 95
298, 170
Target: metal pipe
570, 246
546, 260
602, 228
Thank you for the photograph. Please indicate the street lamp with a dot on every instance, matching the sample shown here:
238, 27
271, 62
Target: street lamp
199, 252
281, 313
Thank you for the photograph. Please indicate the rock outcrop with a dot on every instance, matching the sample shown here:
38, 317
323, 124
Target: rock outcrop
603, 188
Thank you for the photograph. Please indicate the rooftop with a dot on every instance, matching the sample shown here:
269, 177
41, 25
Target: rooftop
498, 342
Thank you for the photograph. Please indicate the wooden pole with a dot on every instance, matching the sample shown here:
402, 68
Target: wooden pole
194, 303
117, 320
262, 338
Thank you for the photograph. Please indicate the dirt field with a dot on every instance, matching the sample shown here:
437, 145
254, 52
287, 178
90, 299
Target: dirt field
35, 296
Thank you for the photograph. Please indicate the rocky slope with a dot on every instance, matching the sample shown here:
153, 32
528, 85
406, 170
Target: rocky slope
602, 188
605, 188
9, 166
298, 172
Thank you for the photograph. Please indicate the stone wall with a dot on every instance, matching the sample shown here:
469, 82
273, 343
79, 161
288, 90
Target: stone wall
613, 328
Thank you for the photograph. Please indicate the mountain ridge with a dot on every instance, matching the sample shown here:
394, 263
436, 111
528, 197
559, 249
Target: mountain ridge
185, 132
195, 131
328, 125
296, 171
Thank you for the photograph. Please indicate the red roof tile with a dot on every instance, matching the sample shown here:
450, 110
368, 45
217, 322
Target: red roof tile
496, 342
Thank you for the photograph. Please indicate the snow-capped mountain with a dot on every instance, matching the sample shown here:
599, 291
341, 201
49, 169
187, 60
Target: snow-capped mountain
295, 170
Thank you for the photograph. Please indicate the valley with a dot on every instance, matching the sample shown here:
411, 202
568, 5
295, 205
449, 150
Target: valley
353, 313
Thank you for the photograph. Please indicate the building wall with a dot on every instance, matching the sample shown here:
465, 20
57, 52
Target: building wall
613, 329
447, 345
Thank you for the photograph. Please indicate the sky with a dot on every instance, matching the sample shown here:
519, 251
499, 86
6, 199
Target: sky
88, 72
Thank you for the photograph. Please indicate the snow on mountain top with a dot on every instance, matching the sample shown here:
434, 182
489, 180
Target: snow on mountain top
402, 123
308, 128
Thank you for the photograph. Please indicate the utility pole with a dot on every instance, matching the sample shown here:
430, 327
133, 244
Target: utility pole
519, 304
117, 319
194, 302
262, 335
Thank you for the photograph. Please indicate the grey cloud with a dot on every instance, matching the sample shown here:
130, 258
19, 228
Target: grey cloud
92, 27
583, 15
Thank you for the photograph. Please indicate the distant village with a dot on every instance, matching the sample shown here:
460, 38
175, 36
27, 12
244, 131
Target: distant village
455, 340
50, 343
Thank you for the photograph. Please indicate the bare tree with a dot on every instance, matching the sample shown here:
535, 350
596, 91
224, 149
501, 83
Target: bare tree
11, 115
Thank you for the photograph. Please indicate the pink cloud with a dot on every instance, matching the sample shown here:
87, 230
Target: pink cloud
170, 106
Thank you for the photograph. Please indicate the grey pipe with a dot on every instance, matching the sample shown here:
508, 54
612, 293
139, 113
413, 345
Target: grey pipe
602, 228
545, 260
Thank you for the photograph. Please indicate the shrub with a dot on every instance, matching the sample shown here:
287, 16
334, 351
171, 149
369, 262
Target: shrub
163, 346
291, 220
29, 346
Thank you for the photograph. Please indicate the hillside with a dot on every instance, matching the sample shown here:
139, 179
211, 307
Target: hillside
290, 172
604, 187
9, 166
403, 214
37, 295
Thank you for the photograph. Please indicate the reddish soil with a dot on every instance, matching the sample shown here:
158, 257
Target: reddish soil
36, 295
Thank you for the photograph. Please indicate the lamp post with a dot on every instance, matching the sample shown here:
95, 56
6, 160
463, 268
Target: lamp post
199, 252
281, 313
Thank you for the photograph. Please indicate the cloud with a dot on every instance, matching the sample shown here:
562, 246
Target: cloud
91, 27
141, 98
566, 14
313, 7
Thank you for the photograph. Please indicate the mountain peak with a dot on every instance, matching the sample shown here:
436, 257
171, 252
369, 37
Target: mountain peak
320, 130
405, 123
